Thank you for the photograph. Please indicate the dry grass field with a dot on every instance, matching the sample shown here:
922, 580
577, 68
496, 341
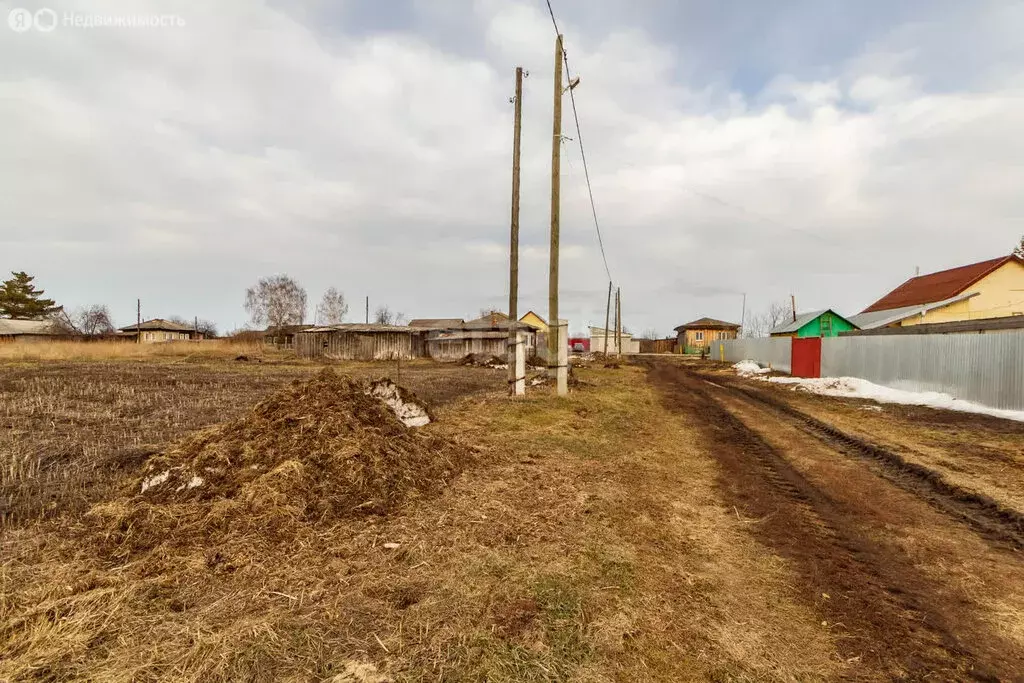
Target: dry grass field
647, 528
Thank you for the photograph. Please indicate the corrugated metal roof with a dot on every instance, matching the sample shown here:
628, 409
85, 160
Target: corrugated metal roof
611, 333
938, 286
362, 327
875, 319
158, 324
795, 325
9, 327
437, 323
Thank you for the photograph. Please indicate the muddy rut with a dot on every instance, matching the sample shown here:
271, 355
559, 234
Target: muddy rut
869, 540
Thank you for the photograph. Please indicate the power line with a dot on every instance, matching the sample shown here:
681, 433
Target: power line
583, 154
699, 193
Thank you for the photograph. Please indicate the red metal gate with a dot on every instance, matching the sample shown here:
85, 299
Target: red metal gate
806, 358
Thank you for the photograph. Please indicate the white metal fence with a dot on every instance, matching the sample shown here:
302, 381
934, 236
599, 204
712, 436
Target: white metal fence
773, 351
985, 368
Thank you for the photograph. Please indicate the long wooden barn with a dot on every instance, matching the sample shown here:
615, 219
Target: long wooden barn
358, 341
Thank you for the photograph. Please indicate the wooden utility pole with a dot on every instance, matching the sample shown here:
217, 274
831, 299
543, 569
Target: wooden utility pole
513, 263
618, 321
513, 253
607, 313
367, 310
792, 299
743, 315
138, 321
556, 150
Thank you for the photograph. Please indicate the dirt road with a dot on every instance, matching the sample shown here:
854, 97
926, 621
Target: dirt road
916, 577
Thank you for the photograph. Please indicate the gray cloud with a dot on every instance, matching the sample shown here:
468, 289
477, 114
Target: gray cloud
371, 151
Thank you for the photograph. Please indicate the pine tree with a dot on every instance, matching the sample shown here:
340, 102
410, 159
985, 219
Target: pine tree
1019, 251
19, 298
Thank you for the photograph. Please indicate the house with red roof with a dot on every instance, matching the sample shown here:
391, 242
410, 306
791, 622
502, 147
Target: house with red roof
978, 291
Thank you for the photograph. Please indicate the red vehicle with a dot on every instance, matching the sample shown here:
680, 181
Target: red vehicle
579, 344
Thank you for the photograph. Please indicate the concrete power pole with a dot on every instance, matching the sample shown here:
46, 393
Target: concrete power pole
556, 150
514, 371
607, 313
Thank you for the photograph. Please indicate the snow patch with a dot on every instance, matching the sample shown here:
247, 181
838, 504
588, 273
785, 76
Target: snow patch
406, 408
195, 482
749, 368
854, 387
155, 480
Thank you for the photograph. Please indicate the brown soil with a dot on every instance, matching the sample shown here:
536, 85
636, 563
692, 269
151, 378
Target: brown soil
317, 451
875, 559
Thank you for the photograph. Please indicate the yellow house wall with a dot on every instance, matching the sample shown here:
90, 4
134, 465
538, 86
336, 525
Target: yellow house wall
1000, 294
534, 320
708, 336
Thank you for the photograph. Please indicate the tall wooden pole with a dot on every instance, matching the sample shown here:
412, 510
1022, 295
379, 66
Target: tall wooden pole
367, 310
607, 314
138, 321
556, 149
743, 315
618, 321
513, 258
792, 299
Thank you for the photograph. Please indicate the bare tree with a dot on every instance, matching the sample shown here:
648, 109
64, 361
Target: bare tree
207, 328
649, 333
332, 309
276, 301
385, 316
1019, 251
92, 320
762, 324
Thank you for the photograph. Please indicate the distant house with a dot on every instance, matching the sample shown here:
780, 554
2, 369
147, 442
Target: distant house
983, 290
535, 321
698, 334
597, 336
282, 336
22, 331
826, 323
157, 331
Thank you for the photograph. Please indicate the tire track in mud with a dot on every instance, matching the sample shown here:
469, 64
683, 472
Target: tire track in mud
886, 618
992, 520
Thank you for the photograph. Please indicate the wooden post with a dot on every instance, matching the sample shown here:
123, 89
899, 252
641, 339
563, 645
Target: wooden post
618, 321
792, 299
556, 149
513, 258
138, 321
607, 321
743, 315
367, 310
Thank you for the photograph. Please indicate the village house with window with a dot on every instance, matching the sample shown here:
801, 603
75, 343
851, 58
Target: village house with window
980, 291
698, 334
157, 331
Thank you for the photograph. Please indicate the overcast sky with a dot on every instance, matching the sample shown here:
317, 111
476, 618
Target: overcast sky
822, 148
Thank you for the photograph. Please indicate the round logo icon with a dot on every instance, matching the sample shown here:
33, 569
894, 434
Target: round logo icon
45, 20
20, 19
